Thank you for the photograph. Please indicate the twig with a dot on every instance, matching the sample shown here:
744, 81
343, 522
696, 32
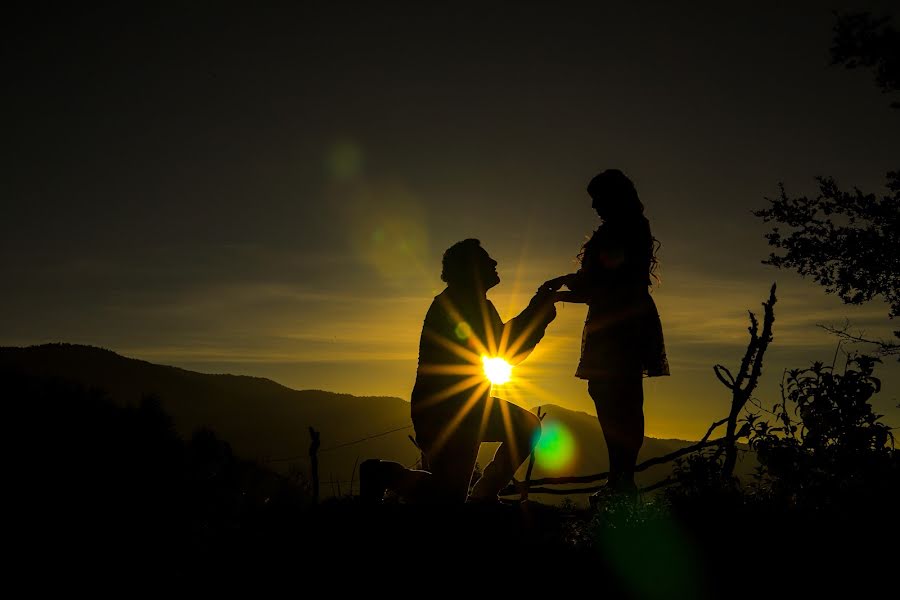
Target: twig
588, 490
524, 488
353, 474
657, 485
883, 348
314, 462
747, 378
713, 427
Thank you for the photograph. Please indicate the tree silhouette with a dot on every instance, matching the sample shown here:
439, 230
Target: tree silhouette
861, 40
848, 242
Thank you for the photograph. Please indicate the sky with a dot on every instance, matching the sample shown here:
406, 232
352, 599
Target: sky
268, 190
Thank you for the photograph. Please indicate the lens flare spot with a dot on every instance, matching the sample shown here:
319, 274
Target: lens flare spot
385, 226
344, 160
497, 370
463, 330
556, 447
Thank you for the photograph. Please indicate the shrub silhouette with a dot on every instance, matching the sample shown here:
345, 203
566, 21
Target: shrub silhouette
828, 449
827, 453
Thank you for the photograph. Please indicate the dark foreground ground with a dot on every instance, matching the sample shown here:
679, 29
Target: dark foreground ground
617, 553
105, 498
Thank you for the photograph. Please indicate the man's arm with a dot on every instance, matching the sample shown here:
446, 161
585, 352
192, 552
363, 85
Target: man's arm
523, 332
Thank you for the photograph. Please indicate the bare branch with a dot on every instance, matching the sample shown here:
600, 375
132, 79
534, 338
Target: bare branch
657, 485
652, 462
713, 427
659, 460
748, 378
508, 491
744, 369
882, 347
588, 490
719, 370
763, 341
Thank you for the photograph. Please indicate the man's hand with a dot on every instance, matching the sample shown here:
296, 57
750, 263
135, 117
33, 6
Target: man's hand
544, 301
553, 285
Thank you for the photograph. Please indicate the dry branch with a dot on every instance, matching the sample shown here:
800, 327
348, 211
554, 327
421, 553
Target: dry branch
747, 378
516, 487
314, 462
523, 489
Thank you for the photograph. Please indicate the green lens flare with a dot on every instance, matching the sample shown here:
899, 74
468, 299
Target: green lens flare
344, 160
556, 448
463, 331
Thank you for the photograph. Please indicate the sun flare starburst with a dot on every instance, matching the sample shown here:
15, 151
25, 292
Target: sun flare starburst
476, 362
496, 369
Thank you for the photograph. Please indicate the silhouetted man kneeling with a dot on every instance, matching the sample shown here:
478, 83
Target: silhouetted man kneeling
452, 407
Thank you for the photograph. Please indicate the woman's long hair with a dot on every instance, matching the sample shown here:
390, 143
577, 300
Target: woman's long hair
626, 210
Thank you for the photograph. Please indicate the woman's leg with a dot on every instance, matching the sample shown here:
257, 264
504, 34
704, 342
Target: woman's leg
620, 410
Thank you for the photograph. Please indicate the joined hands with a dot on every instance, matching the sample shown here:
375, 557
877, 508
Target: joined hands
549, 290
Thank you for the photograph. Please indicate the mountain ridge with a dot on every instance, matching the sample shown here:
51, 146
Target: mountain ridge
268, 422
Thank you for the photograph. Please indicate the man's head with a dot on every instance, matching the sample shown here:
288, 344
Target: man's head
466, 265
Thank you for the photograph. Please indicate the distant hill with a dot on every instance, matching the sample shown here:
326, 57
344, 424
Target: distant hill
261, 419
266, 421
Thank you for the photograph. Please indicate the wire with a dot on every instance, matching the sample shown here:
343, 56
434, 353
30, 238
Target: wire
344, 445
365, 439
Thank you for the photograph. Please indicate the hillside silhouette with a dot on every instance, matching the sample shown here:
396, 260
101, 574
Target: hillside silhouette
260, 418
126, 480
267, 422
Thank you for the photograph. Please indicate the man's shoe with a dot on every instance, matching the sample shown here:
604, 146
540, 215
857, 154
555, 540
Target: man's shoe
372, 483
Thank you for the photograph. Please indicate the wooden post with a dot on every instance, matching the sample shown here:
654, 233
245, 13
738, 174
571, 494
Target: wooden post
353, 475
314, 462
423, 460
524, 496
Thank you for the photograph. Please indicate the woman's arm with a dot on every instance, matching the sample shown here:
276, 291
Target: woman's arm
552, 286
574, 297
584, 285
557, 282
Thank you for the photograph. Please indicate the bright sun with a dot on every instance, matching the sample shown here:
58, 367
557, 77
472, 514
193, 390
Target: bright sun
496, 369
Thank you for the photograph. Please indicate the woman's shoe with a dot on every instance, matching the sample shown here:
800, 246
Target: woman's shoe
620, 488
605, 492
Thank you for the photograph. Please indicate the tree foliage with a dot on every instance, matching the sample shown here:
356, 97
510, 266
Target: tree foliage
848, 241
861, 40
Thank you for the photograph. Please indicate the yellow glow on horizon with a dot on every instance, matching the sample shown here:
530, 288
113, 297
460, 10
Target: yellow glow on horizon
497, 370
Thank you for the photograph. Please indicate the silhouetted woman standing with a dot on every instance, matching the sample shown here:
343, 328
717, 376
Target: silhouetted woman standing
622, 340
